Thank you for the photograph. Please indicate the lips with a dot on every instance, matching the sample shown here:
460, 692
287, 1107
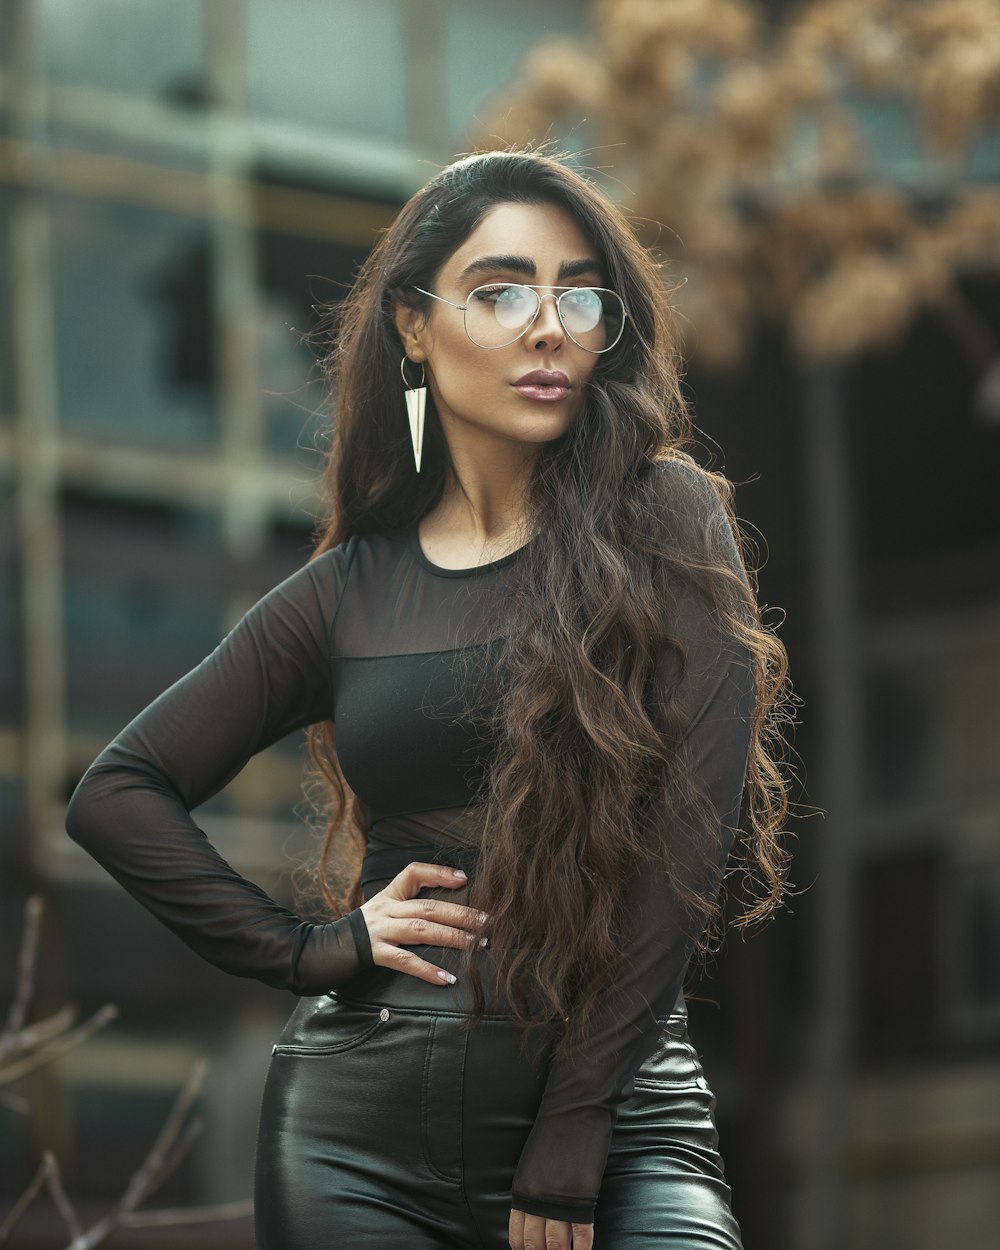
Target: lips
544, 384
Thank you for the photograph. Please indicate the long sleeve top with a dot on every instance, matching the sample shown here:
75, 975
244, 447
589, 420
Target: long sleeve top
367, 635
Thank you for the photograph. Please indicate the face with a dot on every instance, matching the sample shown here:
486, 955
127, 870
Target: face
484, 395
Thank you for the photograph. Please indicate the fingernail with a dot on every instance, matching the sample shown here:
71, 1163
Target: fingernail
446, 976
459, 873
482, 942
482, 917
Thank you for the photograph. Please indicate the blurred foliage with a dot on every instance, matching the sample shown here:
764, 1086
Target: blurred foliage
814, 169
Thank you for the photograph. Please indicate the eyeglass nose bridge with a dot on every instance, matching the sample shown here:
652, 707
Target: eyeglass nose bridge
538, 308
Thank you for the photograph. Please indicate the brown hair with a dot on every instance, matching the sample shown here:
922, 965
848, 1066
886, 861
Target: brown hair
578, 748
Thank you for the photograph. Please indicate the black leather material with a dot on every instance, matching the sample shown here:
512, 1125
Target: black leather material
385, 1123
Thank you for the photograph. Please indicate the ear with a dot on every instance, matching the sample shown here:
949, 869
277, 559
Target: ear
409, 324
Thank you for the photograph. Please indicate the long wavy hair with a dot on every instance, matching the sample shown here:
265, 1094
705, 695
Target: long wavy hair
579, 744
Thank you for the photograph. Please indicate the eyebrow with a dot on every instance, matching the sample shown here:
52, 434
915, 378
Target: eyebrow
526, 266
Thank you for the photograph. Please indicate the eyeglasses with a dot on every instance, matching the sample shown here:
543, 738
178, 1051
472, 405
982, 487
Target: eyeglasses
499, 313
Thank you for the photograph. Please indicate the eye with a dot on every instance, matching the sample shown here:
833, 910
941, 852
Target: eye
490, 294
513, 304
582, 308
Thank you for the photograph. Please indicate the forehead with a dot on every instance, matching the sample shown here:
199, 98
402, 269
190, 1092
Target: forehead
544, 232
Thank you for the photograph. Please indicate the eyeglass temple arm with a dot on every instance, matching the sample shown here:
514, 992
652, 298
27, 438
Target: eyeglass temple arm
460, 307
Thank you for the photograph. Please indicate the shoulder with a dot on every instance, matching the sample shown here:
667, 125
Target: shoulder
699, 536
362, 559
315, 587
694, 512
334, 562
681, 485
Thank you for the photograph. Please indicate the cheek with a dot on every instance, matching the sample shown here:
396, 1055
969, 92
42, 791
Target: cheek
452, 356
462, 369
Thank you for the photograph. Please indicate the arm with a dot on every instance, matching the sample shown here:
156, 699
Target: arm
131, 810
561, 1166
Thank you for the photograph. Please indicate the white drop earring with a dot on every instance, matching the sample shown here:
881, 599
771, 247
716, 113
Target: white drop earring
416, 408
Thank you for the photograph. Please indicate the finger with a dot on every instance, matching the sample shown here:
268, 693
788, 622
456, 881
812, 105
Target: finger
441, 911
583, 1236
416, 876
418, 932
543, 1234
515, 1230
388, 956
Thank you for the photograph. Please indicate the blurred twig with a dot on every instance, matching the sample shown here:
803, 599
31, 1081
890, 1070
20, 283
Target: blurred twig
187, 1215
27, 956
35, 1185
25, 1047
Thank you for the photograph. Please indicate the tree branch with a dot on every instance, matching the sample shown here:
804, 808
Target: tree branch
27, 957
188, 1215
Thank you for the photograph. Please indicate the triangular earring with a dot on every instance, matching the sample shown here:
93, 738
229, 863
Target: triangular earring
416, 408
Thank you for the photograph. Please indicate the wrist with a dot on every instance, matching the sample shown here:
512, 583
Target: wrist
331, 954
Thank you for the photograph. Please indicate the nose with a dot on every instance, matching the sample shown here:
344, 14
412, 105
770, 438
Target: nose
546, 331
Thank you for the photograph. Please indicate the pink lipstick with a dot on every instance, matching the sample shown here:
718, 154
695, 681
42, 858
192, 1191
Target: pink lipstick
544, 384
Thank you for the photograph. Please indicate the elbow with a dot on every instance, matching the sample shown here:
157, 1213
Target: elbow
86, 813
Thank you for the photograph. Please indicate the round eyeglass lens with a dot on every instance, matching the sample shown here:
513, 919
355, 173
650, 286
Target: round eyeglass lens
497, 315
514, 307
581, 310
594, 318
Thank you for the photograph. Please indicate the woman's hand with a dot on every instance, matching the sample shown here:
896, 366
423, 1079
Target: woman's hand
395, 915
534, 1232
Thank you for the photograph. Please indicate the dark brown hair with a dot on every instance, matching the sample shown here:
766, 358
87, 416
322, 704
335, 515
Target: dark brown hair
578, 747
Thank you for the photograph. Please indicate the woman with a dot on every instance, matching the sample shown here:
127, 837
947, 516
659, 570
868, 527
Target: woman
539, 690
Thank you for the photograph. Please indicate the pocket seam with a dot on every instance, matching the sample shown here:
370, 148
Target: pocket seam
296, 1048
692, 1082
425, 1110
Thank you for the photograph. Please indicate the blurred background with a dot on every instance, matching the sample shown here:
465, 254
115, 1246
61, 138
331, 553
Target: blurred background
182, 182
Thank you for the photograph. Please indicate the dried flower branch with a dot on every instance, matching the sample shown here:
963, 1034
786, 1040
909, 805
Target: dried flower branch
747, 142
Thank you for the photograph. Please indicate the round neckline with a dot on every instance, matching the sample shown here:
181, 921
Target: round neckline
439, 570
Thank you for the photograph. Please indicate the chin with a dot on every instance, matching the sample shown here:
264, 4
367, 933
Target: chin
539, 427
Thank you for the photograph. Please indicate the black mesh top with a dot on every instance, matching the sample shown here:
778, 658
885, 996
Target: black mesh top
367, 635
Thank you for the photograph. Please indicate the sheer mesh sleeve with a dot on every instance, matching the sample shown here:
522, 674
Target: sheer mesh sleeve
563, 1160
131, 810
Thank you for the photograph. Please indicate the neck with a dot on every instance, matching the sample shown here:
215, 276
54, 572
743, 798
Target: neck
486, 498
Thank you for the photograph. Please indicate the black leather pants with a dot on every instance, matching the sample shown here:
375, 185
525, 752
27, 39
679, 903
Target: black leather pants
385, 1124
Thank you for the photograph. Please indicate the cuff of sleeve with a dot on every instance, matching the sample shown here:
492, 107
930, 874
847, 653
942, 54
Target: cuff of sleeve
572, 1212
362, 939
330, 954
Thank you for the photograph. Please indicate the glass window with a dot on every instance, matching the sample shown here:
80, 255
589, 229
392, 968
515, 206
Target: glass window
912, 418
11, 661
12, 846
297, 275
971, 924
149, 593
898, 725
133, 161
483, 45
332, 65
142, 47
6, 320
294, 395
134, 323
144, 603
898, 954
